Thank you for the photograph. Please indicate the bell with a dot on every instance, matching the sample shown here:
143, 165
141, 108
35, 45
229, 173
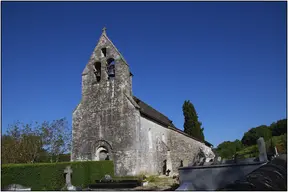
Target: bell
111, 71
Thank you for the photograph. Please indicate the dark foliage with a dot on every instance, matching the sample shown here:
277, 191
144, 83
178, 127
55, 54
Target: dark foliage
279, 128
228, 149
191, 124
251, 137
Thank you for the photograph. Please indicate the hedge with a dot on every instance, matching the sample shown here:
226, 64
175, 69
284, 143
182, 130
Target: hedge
50, 176
47, 159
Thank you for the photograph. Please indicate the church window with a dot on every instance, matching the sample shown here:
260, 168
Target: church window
97, 71
111, 68
103, 52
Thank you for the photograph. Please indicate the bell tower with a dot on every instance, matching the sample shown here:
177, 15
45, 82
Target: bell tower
106, 66
107, 119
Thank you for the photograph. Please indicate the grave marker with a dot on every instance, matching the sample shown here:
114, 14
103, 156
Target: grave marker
185, 163
262, 150
69, 172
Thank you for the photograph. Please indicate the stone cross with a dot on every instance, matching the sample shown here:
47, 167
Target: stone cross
104, 30
68, 172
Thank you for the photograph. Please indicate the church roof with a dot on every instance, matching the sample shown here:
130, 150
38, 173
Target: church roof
150, 112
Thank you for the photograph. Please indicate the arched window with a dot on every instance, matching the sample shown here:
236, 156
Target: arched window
97, 71
111, 67
103, 52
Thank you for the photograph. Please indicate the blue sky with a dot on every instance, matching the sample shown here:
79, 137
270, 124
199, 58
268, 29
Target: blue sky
227, 58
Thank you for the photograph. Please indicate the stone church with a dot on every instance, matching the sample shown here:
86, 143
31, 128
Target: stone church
110, 123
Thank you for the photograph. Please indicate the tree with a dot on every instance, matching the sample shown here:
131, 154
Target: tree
228, 149
238, 145
251, 137
26, 143
31, 143
279, 128
191, 124
21, 144
8, 149
56, 137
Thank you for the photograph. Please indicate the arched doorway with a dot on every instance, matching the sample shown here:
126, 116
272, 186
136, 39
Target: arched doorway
102, 150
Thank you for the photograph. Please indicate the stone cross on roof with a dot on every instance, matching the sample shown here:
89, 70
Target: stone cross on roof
104, 30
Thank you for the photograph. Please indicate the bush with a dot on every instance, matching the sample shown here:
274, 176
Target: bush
280, 142
50, 176
227, 149
251, 151
250, 138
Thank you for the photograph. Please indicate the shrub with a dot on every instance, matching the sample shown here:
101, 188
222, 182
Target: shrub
280, 142
50, 176
251, 151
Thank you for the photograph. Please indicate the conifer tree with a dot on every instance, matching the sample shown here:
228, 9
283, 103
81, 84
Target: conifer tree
191, 124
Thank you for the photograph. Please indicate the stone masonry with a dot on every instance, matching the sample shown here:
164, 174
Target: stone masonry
109, 120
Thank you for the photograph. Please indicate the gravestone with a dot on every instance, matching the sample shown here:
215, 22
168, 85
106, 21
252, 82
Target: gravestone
262, 150
219, 159
276, 151
107, 178
185, 163
68, 171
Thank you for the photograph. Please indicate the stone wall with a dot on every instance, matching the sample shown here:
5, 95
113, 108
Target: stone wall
186, 149
167, 144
